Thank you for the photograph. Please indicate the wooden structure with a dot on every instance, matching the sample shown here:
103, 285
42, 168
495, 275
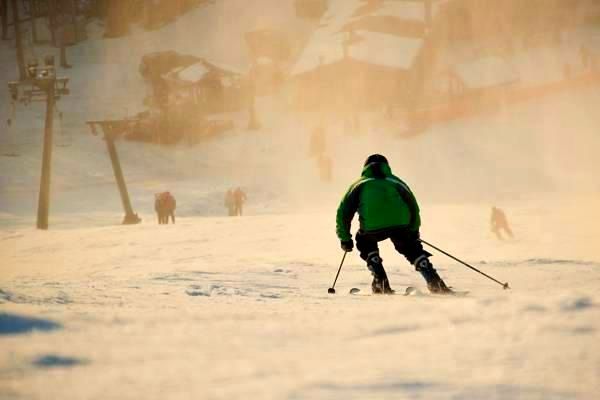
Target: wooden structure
112, 129
360, 70
42, 84
365, 56
208, 86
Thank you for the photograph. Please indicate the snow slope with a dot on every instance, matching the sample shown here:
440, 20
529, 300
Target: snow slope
227, 308
549, 147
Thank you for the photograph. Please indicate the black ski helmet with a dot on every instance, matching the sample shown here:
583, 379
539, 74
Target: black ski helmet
376, 158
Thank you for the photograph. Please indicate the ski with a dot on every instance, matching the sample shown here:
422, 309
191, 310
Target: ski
411, 291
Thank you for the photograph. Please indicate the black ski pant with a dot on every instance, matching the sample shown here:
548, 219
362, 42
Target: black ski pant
406, 243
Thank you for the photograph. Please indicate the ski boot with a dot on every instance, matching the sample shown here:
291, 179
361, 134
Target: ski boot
380, 284
435, 284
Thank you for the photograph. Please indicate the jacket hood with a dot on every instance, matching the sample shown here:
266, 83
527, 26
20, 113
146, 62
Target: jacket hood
376, 170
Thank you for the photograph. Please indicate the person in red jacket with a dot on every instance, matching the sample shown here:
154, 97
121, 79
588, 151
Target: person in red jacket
239, 197
164, 205
499, 223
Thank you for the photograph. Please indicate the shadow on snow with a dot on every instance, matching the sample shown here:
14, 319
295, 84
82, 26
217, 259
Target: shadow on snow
427, 390
12, 324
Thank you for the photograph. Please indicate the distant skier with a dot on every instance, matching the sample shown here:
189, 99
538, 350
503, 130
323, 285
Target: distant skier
325, 167
317, 145
229, 203
239, 197
499, 223
164, 205
387, 209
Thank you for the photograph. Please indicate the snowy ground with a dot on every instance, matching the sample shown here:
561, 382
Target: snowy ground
226, 308
230, 308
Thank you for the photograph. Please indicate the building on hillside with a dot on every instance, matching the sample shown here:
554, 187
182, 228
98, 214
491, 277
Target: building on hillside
471, 80
210, 88
192, 99
199, 98
420, 54
361, 71
365, 55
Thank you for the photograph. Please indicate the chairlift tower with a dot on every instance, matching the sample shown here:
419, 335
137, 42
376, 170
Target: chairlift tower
41, 84
112, 129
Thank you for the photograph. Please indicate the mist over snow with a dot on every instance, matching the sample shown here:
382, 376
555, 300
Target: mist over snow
220, 307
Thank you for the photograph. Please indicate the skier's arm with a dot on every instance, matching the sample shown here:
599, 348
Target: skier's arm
415, 212
410, 200
345, 212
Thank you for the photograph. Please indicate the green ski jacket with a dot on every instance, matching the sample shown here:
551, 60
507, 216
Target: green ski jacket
383, 201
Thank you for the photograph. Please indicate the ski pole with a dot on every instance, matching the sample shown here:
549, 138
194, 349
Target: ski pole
504, 285
331, 290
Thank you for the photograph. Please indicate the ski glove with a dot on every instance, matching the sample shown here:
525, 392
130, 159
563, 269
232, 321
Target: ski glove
347, 245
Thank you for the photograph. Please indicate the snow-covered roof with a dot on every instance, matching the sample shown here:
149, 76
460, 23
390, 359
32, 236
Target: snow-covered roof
407, 10
486, 72
339, 12
370, 47
326, 45
410, 10
196, 72
193, 73
385, 50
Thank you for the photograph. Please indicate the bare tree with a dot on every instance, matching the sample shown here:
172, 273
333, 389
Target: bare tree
4, 15
18, 40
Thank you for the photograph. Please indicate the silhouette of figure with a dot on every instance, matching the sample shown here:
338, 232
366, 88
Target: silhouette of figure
239, 197
317, 144
229, 203
387, 209
499, 223
325, 166
164, 205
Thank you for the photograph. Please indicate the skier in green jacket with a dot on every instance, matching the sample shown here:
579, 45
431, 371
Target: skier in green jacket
387, 209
